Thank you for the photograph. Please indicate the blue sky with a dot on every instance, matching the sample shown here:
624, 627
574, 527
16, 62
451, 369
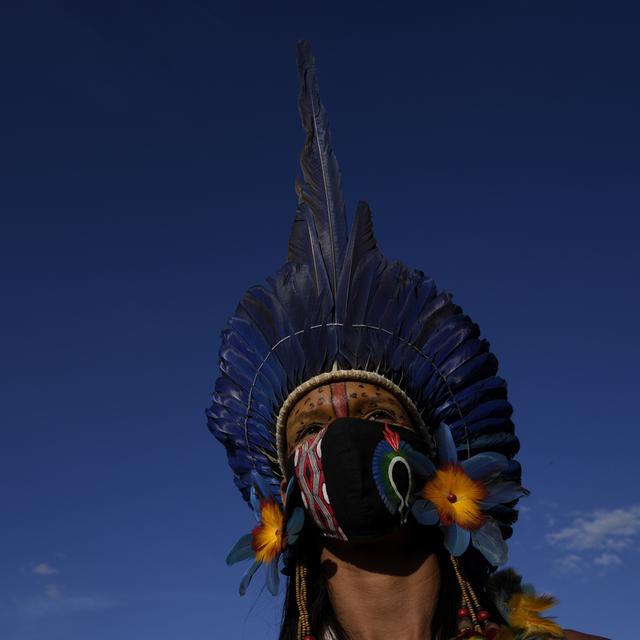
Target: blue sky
147, 164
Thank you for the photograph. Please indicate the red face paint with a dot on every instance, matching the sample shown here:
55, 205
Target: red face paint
339, 400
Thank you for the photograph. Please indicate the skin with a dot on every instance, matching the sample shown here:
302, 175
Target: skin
370, 583
338, 400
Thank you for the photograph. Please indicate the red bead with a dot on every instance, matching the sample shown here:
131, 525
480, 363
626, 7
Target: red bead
483, 615
452, 497
309, 638
463, 613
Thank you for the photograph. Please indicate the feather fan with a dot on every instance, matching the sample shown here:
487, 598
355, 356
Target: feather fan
339, 301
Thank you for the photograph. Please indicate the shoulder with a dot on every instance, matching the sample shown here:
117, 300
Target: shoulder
576, 635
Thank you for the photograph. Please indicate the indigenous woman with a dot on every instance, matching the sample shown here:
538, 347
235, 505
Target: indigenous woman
368, 430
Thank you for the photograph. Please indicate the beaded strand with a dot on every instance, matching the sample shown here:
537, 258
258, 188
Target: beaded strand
303, 631
472, 609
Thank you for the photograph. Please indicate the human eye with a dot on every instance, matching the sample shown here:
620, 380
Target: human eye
381, 415
308, 430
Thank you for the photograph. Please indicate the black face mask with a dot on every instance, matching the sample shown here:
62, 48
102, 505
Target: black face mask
356, 478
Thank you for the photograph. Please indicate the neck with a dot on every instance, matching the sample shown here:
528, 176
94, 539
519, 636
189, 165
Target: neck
386, 589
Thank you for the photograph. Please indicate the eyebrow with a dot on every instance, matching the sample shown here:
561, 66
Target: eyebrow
382, 403
318, 412
296, 429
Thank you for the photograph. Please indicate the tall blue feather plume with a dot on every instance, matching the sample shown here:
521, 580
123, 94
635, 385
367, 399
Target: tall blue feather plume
339, 299
321, 204
361, 243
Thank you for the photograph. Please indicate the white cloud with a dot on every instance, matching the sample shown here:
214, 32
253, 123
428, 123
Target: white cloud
571, 562
45, 606
595, 540
602, 529
52, 591
44, 569
607, 560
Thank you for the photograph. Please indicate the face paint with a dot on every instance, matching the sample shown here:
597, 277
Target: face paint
343, 399
339, 400
355, 477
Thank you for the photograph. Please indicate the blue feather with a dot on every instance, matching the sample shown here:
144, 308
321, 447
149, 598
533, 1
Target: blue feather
321, 188
447, 337
259, 434
512, 472
294, 525
242, 550
295, 289
488, 540
484, 465
434, 388
256, 347
254, 501
269, 316
420, 463
482, 427
430, 317
363, 285
475, 394
305, 248
463, 355
425, 513
381, 309
263, 489
502, 514
468, 370
248, 574
272, 577
503, 492
361, 243
421, 371
505, 443
420, 291
446, 448
491, 408
456, 539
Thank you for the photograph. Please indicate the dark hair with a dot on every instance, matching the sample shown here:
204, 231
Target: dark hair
322, 617
321, 614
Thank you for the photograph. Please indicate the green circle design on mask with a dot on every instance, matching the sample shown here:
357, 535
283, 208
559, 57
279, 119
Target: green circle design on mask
392, 474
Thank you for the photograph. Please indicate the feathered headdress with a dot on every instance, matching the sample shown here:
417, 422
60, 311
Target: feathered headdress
337, 307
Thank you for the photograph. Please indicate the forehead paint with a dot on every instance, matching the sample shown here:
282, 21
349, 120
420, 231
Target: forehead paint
339, 399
